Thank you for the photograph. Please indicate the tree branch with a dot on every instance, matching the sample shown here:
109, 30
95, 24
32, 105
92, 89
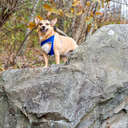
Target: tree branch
28, 32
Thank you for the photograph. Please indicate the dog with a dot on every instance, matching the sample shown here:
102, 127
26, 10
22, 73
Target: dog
52, 43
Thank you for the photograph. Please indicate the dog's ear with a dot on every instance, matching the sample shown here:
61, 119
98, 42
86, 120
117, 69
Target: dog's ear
53, 22
37, 20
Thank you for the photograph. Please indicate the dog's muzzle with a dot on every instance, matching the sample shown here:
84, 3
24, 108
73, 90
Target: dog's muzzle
43, 29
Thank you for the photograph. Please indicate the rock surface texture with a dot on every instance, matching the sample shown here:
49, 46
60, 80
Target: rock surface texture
90, 92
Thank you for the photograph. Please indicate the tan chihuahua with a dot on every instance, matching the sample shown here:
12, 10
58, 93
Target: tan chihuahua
52, 43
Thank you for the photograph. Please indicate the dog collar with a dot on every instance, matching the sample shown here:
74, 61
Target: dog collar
49, 40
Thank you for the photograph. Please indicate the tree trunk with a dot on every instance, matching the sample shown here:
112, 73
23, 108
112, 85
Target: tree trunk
28, 31
79, 28
79, 25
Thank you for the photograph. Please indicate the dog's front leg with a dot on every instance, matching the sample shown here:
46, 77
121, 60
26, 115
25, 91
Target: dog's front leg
45, 59
57, 57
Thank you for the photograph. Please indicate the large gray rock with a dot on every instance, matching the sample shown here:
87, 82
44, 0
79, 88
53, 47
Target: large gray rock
90, 92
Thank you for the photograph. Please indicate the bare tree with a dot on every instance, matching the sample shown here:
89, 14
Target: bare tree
28, 31
79, 24
7, 8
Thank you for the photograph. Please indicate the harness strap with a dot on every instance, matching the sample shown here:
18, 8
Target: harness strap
49, 40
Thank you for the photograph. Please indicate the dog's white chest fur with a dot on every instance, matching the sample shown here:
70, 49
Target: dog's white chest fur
46, 48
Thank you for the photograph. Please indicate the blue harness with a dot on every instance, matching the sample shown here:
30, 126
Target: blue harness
49, 40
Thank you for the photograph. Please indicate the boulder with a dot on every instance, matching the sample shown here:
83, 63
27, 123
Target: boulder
89, 92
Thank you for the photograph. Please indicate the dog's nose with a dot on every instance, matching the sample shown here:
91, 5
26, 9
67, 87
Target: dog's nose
43, 27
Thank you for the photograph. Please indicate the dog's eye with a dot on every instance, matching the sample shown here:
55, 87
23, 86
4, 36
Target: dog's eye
40, 24
47, 23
